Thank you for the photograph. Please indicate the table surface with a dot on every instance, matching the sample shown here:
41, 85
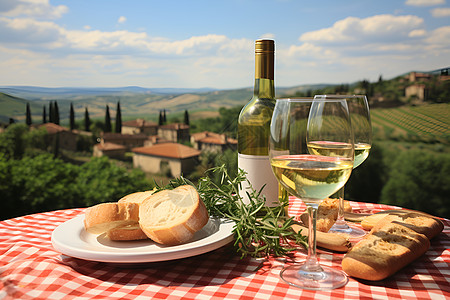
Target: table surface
30, 268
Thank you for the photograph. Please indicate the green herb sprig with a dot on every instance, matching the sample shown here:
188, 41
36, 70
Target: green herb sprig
259, 230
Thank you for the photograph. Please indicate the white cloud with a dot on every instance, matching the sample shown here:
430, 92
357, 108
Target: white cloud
424, 2
35, 8
441, 12
121, 20
379, 28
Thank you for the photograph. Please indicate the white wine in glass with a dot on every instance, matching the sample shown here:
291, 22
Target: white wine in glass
362, 133
311, 177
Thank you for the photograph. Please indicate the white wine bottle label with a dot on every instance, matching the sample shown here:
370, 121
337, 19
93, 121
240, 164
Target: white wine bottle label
259, 173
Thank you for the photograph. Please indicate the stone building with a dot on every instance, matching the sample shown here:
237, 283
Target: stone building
213, 142
170, 159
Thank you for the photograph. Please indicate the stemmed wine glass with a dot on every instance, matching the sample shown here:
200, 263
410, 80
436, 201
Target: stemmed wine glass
311, 177
362, 132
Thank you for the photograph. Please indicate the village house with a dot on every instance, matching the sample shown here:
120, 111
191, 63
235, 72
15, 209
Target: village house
213, 142
67, 140
176, 132
139, 126
110, 150
170, 159
128, 140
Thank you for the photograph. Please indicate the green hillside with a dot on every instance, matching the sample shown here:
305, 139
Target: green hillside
426, 123
13, 107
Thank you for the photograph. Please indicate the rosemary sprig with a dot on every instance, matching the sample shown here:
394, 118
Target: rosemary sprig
259, 230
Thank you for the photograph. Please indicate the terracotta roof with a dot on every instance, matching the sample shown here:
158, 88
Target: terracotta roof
213, 138
109, 146
112, 135
53, 128
172, 150
174, 126
139, 123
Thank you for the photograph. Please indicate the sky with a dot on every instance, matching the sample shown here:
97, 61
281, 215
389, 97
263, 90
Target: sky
207, 43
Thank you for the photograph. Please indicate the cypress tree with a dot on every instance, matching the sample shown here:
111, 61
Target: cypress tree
164, 117
186, 117
107, 120
28, 115
87, 122
161, 121
56, 112
72, 117
51, 113
118, 128
44, 115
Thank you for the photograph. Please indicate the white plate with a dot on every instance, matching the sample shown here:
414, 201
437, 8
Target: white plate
71, 239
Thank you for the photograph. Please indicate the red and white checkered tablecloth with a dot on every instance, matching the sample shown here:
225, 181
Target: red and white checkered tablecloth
30, 268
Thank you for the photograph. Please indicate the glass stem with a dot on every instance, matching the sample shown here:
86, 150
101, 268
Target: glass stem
340, 221
311, 264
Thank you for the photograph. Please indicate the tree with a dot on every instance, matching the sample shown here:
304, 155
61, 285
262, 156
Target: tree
186, 117
87, 121
28, 115
118, 128
419, 180
51, 112
56, 113
72, 117
164, 117
161, 119
107, 120
12, 144
44, 115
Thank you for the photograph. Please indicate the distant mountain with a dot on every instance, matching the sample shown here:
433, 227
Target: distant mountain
135, 101
39, 93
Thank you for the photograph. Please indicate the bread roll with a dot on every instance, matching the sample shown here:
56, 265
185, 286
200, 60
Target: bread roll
384, 251
421, 223
104, 216
327, 214
171, 217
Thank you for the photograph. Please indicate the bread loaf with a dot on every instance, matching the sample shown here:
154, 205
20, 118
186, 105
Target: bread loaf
171, 217
102, 217
385, 250
326, 214
419, 222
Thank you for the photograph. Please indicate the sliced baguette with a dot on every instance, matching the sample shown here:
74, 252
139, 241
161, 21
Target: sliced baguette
102, 217
137, 197
385, 250
130, 232
327, 214
171, 217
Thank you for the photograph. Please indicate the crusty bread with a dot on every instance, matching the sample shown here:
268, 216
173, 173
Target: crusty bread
421, 223
130, 232
385, 250
104, 216
326, 214
171, 217
137, 197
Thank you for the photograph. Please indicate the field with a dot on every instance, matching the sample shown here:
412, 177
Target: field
426, 123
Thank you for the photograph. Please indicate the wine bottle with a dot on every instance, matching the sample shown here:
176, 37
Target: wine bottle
254, 127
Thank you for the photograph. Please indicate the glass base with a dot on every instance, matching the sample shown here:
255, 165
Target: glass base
343, 228
326, 279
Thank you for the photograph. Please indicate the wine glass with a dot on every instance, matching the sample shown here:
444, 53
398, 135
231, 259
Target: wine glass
311, 177
362, 132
